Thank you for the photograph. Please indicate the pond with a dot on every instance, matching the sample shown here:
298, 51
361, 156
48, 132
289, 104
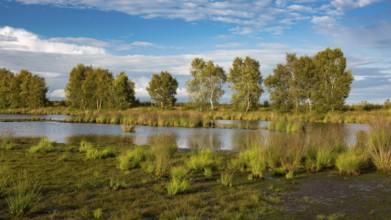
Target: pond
214, 138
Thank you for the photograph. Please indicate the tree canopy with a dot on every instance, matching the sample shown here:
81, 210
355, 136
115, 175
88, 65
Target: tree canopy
245, 80
23, 90
206, 85
317, 83
96, 88
162, 89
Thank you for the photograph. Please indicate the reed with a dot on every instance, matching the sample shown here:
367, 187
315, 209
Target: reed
44, 146
380, 147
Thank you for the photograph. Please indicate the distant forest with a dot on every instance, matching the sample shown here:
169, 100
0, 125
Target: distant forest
319, 83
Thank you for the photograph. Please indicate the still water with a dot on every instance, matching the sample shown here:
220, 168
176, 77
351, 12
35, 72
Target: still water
214, 138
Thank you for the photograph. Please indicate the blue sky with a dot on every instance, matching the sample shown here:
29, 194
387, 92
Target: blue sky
49, 37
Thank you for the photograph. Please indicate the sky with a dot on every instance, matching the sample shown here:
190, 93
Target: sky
50, 37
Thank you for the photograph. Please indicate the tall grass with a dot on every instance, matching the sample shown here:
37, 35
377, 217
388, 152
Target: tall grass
380, 147
23, 194
7, 141
132, 158
179, 181
44, 146
353, 161
95, 153
163, 148
201, 160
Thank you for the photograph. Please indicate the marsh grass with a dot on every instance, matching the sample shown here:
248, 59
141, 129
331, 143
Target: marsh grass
116, 184
284, 126
44, 146
95, 153
7, 141
164, 146
128, 128
179, 180
201, 160
5, 177
380, 147
98, 213
226, 178
23, 195
132, 158
353, 161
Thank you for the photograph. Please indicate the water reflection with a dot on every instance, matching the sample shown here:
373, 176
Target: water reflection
196, 138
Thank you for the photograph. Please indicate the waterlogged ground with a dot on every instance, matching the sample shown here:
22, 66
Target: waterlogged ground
72, 187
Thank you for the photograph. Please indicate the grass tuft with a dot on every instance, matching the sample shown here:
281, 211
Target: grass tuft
44, 146
23, 195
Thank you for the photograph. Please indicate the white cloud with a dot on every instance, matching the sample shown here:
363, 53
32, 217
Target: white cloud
246, 16
275, 46
326, 21
349, 4
58, 93
230, 45
22, 40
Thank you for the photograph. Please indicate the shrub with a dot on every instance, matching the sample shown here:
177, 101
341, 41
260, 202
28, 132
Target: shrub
44, 146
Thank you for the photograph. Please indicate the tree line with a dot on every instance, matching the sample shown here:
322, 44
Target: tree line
22, 90
319, 83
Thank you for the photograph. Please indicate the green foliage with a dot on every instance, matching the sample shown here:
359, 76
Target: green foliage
245, 80
380, 147
96, 88
206, 84
44, 146
305, 83
162, 89
179, 172
123, 93
200, 160
23, 195
23, 90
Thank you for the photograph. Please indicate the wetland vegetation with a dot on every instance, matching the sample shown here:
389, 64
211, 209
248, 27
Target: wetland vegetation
283, 176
